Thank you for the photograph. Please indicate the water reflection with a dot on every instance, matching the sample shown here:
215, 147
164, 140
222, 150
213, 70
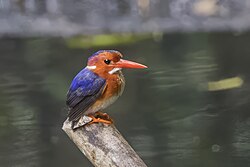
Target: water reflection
167, 113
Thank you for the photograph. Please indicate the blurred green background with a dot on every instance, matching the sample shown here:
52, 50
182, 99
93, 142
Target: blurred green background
189, 108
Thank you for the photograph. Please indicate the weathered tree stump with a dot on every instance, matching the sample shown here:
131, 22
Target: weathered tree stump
103, 145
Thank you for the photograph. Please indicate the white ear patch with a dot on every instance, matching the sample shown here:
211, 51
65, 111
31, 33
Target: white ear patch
91, 67
114, 70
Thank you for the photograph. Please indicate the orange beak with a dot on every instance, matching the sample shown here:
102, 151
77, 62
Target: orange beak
128, 64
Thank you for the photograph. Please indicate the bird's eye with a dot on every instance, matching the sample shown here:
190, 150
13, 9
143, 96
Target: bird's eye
107, 61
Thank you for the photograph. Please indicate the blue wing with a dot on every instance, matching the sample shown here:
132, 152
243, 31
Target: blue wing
85, 88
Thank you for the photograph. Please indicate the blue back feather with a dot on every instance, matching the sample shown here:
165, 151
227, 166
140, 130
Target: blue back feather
87, 80
85, 88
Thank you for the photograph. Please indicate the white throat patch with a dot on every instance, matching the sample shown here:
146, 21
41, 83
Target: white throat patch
114, 70
91, 67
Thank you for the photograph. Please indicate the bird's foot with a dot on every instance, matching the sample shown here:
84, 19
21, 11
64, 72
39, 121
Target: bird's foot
90, 119
104, 116
98, 119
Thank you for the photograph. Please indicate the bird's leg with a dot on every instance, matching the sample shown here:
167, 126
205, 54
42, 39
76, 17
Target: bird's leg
97, 120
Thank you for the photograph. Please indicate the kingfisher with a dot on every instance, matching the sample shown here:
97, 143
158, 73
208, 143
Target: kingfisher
97, 86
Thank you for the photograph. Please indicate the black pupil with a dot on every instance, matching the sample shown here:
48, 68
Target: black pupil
107, 61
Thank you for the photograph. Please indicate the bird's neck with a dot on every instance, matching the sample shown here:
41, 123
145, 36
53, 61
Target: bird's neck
115, 82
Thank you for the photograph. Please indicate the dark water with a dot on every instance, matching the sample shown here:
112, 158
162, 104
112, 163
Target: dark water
169, 113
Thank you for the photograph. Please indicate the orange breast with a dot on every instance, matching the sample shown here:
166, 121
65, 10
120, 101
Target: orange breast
115, 85
114, 88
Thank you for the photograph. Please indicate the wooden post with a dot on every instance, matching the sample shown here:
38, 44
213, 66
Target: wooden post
103, 145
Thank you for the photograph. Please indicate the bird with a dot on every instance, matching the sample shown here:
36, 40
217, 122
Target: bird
97, 86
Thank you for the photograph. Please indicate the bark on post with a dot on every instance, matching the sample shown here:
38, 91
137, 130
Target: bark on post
103, 145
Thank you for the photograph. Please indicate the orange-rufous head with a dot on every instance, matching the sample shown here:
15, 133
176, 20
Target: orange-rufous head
110, 62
